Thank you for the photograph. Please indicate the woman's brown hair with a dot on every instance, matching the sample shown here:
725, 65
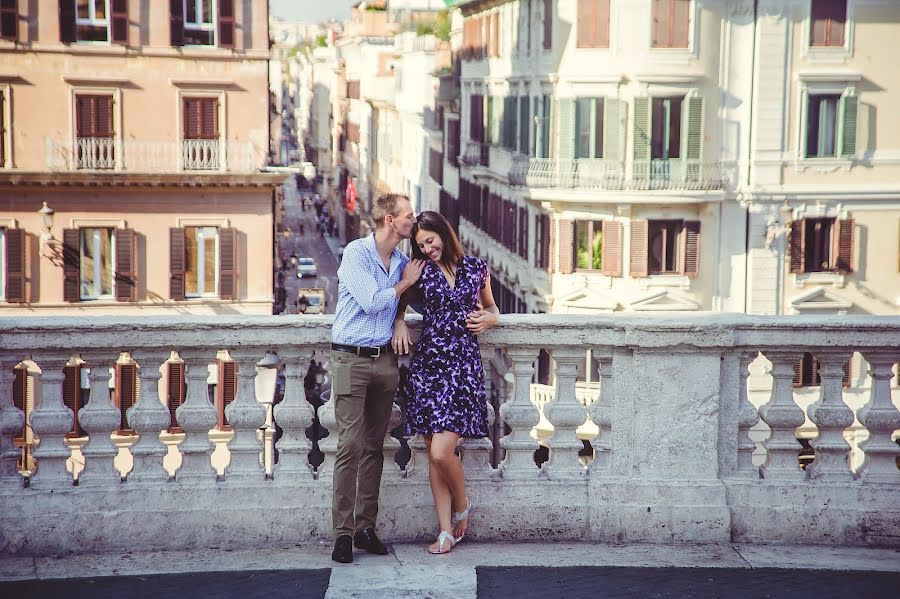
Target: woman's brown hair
436, 223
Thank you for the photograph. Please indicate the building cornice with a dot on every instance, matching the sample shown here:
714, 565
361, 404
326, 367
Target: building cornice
116, 50
45, 180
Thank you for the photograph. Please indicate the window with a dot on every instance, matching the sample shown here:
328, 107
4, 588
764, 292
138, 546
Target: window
542, 241
95, 132
201, 261
662, 247
12, 265
453, 141
9, 20
588, 245
548, 24
822, 245
665, 133
3, 128
199, 24
200, 130
92, 20
806, 372
828, 19
589, 128
544, 150
593, 24
821, 125
524, 124
671, 23
226, 389
96, 263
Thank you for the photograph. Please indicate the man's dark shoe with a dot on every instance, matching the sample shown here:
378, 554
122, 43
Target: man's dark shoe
343, 550
368, 540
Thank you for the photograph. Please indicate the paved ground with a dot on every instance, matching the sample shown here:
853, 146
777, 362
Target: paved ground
472, 570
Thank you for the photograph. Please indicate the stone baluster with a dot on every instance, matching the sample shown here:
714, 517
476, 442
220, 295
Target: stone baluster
881, 419
831, 416
100, 417
417, 467
196, 416
12, 419
521, 416
328, 445
476, 453
566, 414
391, 470
748, 416
51, 421
245, 415
294, 415
148, 417
601, 415
783, 416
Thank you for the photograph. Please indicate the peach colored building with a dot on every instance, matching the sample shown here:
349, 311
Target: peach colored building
143, 127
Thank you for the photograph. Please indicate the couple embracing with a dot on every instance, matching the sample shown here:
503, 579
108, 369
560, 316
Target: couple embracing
445, 387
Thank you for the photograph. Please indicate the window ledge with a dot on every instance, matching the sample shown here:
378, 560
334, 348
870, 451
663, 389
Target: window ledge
836, 279
823, 165
673, 280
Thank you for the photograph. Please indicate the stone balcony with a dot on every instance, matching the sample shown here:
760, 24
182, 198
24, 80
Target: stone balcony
670, 455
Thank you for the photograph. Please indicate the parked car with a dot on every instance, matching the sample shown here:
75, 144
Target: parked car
306, 267
311, 300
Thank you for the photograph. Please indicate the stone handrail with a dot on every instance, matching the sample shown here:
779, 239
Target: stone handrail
673, 460
153, 156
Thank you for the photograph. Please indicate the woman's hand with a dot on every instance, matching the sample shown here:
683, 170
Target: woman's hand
481, 320
400, 340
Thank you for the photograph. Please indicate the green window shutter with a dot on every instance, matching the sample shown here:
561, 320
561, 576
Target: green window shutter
642, 128
566, 130
694, 141
510, 122
524, 112
804, 124
500, 133
497, 121
849, 112
490, 119
546, 126
612, 109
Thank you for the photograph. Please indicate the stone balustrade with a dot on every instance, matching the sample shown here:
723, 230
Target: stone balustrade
671, 433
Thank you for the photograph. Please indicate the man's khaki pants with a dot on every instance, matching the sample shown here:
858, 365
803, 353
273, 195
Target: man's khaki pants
364, 390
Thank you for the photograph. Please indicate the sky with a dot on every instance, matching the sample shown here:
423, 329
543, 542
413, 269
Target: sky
311, 11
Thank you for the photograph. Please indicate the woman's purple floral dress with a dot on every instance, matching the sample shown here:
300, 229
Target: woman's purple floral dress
445, 387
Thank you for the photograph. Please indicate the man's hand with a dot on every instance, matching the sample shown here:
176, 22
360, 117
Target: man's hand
481, 320
400, 340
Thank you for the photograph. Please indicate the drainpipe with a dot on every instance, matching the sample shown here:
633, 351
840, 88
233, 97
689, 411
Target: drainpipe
749, 161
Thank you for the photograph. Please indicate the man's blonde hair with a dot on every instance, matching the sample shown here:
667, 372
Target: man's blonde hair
386, 204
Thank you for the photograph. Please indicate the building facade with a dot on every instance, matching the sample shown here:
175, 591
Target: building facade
142, 134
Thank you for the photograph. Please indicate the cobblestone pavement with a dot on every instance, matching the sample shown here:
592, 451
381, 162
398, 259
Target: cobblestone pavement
521, 570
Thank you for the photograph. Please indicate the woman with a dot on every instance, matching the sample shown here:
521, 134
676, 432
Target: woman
445, 387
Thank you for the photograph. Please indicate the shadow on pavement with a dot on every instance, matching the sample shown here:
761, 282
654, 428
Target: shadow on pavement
664, 583
296, 584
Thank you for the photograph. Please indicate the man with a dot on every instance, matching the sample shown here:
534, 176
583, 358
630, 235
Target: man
372, 277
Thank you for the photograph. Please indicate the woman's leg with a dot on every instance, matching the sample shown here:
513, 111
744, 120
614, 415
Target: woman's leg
439, 490
443, 458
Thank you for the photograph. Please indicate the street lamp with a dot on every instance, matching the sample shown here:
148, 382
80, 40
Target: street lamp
46, 213
294, 258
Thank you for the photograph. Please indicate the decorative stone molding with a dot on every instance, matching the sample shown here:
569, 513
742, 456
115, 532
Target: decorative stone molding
566, 414
783, 416
148, 417
832, 416
196, 416
51, 421
294, 415
99, 418
12, 419
245, 415
881, 419
748, 416
518, 413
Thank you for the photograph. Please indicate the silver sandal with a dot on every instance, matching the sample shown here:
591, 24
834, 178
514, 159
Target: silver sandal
443, 539
458, 517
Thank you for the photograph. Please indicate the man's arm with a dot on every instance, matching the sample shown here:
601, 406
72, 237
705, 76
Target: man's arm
356, 275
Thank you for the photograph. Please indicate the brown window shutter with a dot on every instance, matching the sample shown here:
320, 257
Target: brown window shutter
546, 242
565, 248
226, 390
84, 116
844, 253
15, 265
523, 232
72, 397
611, 259
691, 263
847, 379
176, 22
660, 28
548, 24
119, 21
638, 262
798, 372
103, 114
176, 263
177, 389
126, 391
191, 121
797, 244
9, 20
126, 271
71, 265
226, 23
228, 263
601, 20
20, 395
817, 24
585, 19
680, 23
209, 118
67, 21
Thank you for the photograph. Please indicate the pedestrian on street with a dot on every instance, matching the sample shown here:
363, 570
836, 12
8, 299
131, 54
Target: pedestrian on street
371, 279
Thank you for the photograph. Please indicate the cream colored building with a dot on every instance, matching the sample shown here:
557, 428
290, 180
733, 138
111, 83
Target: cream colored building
144, 129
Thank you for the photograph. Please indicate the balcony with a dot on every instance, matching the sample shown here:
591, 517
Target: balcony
475, 153
676, 450
644, 175
140, 156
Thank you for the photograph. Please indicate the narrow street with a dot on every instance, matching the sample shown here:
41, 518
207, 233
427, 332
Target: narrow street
307, 242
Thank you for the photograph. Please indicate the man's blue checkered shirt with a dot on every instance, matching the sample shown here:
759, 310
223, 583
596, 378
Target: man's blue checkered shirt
367, 301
